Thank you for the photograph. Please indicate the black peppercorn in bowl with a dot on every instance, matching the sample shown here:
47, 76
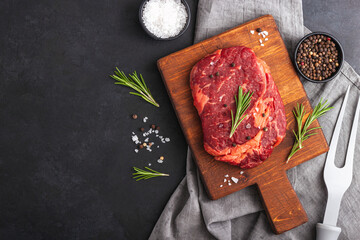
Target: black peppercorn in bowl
151, 34
319, 57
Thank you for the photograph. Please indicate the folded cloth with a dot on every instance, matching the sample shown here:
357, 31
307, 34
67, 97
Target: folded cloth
190, 214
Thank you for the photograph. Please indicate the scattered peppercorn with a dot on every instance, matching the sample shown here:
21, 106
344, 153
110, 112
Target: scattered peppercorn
233, 64
225, 105
317, 57
153, 126
142, 129
258, 30
158, 128
161, 158
265, 129
211, 76
248, 137
263, 115
144, 144
234, 144
150, 144
140, 146
217, 73
134, 116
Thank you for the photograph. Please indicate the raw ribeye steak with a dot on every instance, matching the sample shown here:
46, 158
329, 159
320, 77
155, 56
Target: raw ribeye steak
215, 81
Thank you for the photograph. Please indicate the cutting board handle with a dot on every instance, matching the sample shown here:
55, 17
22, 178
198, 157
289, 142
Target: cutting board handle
284, 209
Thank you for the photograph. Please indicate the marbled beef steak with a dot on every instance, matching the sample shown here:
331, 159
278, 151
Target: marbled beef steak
214, 81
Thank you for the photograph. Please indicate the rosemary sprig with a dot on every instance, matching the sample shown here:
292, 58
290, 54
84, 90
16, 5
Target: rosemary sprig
242, 102
303, 131
136, 83
140, 174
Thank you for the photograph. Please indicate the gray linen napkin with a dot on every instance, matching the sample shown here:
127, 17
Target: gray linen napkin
190, 214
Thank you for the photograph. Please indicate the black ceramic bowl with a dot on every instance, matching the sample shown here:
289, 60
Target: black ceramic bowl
170, 38
340, 57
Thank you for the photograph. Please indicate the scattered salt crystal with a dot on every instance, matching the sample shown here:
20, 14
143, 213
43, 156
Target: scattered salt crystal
266, 33
248, 125
149, 164
164, 18
228, 180
135, 139
156, 135
229, 184
160, 161
146, 140
221, 185
235, 180
157, 146
145, 119
257, 109
258, 127
211, 63
133, 133
266, 39
262, 45
241, 172
270, 118
260, 40
227, 175
224, 180
136, 150
258, 33
156, 131
148, 148
252, 31
167, 139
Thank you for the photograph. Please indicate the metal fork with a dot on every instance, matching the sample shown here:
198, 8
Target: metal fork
337, 180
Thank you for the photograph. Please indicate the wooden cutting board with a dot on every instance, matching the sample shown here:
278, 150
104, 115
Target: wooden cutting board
283, 208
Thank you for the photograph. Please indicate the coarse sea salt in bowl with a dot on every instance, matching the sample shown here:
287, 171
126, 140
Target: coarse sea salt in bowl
164, 19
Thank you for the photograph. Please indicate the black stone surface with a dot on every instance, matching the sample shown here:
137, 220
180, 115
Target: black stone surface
66, 153
65, 129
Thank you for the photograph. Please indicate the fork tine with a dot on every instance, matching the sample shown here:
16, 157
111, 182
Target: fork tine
335, 137
351, 146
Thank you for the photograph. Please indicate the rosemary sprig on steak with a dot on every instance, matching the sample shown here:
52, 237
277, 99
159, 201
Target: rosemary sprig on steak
140, 174
303, 131
136, 83
242, 102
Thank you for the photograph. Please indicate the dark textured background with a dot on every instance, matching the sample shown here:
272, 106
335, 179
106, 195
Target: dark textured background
65, 128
